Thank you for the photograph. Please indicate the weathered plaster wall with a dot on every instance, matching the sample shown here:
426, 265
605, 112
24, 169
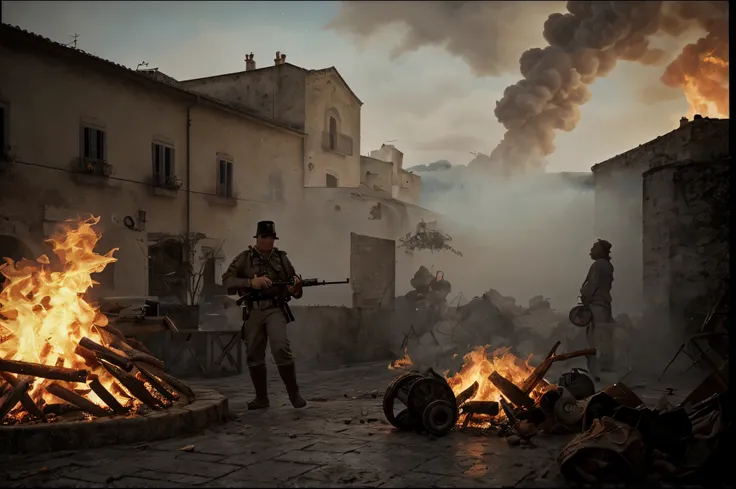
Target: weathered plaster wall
409, 187
326, 97
376, 174
686, 248
42, 189
274, 92
618, 197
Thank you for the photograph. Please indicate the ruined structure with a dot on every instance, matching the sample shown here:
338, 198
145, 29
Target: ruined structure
618, 196
686, 249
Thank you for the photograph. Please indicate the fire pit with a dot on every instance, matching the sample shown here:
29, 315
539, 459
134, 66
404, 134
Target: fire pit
62, 364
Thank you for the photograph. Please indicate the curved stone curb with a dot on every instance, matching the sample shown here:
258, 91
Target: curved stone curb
209, 407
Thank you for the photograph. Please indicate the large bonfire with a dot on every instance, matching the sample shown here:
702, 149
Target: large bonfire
44, 316
478, 365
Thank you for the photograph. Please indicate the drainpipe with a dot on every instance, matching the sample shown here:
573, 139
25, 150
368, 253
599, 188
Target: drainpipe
188, 169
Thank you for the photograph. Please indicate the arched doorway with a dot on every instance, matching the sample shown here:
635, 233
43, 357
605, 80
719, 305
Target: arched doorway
13, 248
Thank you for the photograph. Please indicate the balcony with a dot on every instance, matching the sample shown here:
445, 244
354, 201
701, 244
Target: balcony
166, 186
343, 143
89, 171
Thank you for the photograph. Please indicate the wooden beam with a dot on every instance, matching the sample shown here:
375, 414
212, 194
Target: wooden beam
75, 399
13, 398
25, 399
43, 371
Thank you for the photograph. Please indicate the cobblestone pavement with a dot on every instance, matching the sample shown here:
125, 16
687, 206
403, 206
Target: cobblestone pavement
339, 439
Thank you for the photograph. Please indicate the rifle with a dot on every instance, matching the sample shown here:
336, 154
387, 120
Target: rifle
307, 282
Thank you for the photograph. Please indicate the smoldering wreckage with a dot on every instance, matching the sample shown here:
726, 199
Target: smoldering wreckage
620, 439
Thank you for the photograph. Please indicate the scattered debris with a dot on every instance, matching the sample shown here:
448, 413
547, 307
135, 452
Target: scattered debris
426, 238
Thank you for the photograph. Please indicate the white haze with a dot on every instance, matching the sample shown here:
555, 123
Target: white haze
523, 237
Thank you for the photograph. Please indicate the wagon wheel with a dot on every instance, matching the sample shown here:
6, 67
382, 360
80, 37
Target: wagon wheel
439, 417
428, 389
403, 420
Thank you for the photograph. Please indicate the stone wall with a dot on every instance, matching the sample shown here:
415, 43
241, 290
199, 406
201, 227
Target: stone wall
618, 196
686, 248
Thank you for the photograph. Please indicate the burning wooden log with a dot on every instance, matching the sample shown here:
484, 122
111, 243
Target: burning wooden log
133, 385
25, 399
175, 383
13, 398
489, 408
75, 399
43, 371
106, 354
468, 393
90, 359
155, 382
137, 356
110, 333
59, 409
510, 390
536, 376
104, 394
138, 346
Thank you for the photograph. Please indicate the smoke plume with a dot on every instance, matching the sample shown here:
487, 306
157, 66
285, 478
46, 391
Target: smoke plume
584, 44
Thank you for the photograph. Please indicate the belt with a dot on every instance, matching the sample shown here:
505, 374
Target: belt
263, 304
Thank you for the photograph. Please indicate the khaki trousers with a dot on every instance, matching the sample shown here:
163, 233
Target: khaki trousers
599, 335
262, 326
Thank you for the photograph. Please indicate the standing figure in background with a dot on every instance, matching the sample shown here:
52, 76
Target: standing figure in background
596, 294
265, 316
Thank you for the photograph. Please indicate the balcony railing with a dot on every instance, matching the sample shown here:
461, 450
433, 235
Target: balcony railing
343, 144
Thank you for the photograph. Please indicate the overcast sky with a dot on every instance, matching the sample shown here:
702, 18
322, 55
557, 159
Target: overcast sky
427, 101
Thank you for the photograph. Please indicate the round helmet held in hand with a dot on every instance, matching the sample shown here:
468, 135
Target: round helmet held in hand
580, 316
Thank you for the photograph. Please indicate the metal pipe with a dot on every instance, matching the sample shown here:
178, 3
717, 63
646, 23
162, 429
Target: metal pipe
189, 173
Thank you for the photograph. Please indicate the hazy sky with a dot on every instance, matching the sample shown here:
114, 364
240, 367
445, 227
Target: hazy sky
426, 100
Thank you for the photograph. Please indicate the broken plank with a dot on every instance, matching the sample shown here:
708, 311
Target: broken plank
155, 382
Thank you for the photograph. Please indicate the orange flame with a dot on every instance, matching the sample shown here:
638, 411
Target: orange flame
701, 70
43, 313
402, 362
478, 366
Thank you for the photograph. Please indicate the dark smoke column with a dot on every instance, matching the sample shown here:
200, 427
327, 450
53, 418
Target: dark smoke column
584, 44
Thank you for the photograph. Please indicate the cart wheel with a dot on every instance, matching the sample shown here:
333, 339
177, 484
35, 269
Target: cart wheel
439, 417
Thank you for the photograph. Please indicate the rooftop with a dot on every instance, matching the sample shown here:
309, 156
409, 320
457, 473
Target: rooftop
29, 40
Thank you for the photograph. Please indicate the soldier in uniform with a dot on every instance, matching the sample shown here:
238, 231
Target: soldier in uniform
265, 319
596, 294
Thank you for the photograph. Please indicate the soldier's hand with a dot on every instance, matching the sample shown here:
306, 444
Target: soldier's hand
260, 282
296, 289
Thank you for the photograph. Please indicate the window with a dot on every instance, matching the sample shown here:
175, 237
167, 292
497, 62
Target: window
94, 144
163, 166
333, 133
330, 181
225, 178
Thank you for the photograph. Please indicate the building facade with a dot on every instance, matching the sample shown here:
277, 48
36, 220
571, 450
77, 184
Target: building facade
318, 102
618, 197
157, 160
153, 161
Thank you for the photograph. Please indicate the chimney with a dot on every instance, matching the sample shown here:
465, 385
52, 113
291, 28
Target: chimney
280, 58
683, 121
250, 63
697, 116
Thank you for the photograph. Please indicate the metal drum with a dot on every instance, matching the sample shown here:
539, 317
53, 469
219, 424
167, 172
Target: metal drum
429, 403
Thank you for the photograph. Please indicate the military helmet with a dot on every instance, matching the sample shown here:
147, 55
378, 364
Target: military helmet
266, 228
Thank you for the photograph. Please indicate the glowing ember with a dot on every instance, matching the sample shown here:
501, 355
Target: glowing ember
43, 314
402, 362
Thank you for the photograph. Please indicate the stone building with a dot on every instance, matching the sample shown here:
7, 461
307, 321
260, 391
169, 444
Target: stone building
317, 102
618, 196
686, 255
156, 160
402, 184
153, 161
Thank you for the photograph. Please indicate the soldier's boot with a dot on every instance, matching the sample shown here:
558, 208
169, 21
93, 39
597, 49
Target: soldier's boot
288, 375
260, 384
